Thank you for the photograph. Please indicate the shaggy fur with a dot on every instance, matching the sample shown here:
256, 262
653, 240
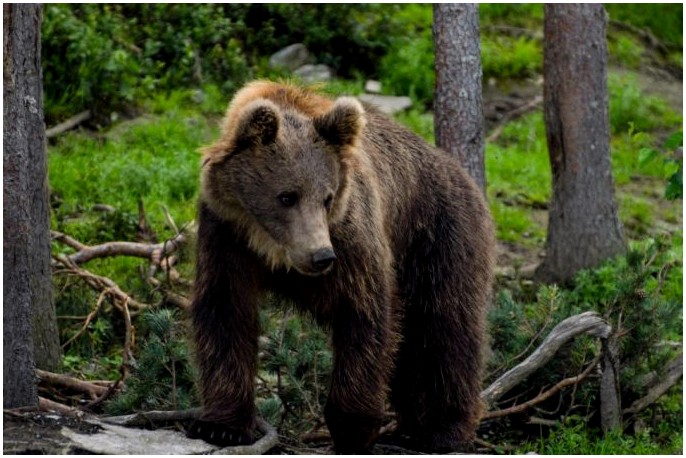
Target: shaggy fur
405, 297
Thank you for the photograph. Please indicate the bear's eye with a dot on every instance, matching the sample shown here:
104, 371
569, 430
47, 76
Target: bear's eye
328, 202
288, 199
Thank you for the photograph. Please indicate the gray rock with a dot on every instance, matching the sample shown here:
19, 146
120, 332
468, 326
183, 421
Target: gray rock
387, 103
290, 57
373, 87
314, 73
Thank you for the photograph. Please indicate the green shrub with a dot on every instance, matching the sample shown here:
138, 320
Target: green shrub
626, 50
106, 56
162, 377
504, 57
664, 20
408, 69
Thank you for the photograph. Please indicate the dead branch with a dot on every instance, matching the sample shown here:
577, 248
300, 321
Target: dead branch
675, 371
99, 283
112, 387
543, 396
268, 441
89, 318
48, 405
155, 252
531, 105
70, 382
147, 418
566, 330
68, 124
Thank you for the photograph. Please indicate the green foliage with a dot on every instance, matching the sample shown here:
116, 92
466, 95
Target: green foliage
162, 378
511, 14
519, 180
664, 20
507, 58
672, 164
408, 69
626, 50
105, 56
640, 295
629, 292
298, 360
575, 437
153, 160
349, 37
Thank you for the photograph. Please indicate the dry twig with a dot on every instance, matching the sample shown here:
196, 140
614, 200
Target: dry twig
543, 396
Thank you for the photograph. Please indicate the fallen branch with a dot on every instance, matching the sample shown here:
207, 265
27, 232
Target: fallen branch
88, 319
269, 439
543, 396
675, 371
52, 406
70, 382
144, 419
514, 114
155, 252
588, 322
68, 124
100, 284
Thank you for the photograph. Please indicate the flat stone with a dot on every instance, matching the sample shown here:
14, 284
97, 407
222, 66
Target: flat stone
387, 103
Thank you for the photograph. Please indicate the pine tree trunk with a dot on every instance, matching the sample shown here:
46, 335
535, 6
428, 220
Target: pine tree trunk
458, 118
584, 228
27, 291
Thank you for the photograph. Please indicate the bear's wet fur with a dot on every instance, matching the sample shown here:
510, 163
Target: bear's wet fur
382, 238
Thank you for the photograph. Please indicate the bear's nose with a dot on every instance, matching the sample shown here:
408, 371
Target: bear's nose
323, 258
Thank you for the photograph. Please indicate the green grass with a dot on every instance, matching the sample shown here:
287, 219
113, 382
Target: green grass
574, 437
152, 159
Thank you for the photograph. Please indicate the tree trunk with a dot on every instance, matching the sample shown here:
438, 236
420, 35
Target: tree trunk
458, 110
584, 228
27, 291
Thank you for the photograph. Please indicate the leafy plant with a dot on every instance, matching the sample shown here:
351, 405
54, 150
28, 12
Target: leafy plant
672, 164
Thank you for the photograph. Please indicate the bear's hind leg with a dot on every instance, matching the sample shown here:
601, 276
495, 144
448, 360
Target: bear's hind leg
437, 383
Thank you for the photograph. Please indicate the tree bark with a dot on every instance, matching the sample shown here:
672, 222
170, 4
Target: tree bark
458, 107
30, 326
584, 228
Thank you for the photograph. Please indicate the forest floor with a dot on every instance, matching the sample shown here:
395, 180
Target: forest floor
39, 432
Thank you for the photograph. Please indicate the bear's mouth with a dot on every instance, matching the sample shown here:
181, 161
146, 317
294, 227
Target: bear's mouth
312, 272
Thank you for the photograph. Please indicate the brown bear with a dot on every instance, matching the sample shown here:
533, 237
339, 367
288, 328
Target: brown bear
382, 238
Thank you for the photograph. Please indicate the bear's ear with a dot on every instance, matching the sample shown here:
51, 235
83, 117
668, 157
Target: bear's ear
343, 124
259, 124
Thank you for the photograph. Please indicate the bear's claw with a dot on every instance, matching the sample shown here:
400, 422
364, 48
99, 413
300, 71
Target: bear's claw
219, 434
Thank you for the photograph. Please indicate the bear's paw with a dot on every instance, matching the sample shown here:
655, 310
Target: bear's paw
220, 434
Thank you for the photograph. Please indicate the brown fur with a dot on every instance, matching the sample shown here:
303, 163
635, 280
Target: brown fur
405, 297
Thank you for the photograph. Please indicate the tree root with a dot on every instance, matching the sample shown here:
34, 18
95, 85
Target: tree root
566, 330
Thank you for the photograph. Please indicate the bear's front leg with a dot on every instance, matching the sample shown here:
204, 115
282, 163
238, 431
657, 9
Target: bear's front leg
364, 342
224, 319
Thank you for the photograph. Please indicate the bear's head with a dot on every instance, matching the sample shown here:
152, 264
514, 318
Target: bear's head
284, 178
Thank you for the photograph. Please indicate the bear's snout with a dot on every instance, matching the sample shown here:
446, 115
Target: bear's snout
323, 259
